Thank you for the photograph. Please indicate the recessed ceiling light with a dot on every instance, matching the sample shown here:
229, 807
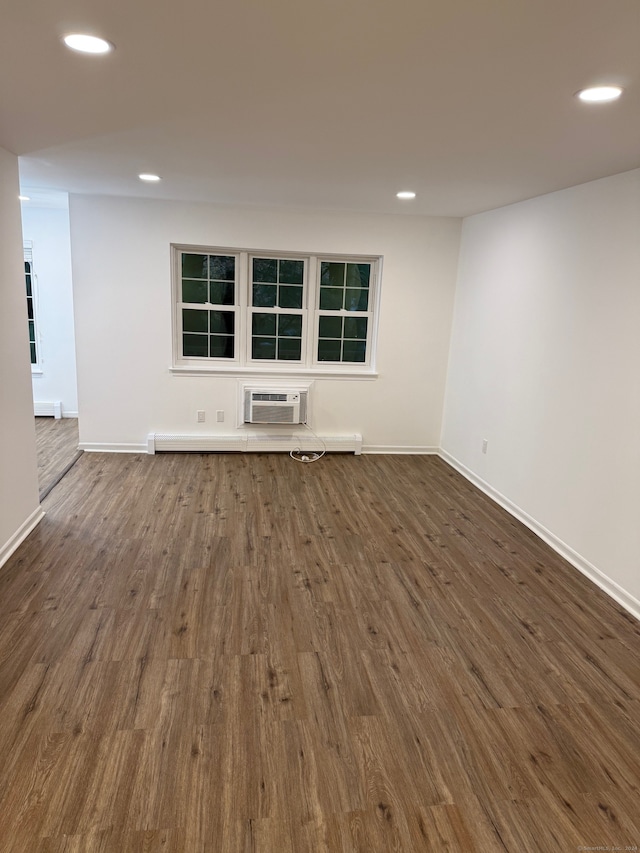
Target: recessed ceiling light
87, 44
599, 94
145, 176
24, 198
405, 194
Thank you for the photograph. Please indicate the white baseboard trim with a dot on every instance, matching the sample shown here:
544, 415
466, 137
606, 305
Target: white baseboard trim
606, 584
395, 450
112, 447
21, 534
66, 414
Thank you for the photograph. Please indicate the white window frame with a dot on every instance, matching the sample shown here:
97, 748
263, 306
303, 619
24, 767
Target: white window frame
370, 314
277, 310
179, 305
242, 362
36, 366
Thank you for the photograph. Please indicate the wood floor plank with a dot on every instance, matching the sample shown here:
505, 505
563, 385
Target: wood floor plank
234, 652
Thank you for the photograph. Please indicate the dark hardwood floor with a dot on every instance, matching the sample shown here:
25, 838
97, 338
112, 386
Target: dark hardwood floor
57, 449
239, 653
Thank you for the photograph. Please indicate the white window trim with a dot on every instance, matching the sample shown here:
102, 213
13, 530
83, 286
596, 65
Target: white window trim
36, 367
371, 313
304, 312
242, 365
178, 305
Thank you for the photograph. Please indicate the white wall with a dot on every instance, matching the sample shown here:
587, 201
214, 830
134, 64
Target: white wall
122, 296
545, 364
48, 229
19, 508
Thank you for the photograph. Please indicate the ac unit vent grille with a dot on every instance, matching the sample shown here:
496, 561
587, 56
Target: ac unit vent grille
274, 415
275, 407
276, 398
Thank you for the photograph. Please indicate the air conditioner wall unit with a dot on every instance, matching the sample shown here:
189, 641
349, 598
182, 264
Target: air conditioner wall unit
275, 406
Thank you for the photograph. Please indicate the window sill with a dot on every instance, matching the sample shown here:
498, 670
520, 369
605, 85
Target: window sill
36, 371
273, 372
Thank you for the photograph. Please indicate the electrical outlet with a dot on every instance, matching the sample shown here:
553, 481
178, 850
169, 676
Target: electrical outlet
200, 414
485, 442
220, 416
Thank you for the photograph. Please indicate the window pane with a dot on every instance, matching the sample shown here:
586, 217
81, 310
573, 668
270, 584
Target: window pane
194, 266
195, 345
265, 269
331, 298
32, 330
30, 308
332, 274
355, 327
290, 324
222, 321
291, 272
222, 293
194, 321
264, 324
221, 346
222, 267
263, 348
358, 275
264, 295
194, 291
28, 280
34, 360
289, 348
290, 297
354, 351
330, 327
328, 350
356, 300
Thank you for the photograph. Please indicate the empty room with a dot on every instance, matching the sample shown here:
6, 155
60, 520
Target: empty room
339, 305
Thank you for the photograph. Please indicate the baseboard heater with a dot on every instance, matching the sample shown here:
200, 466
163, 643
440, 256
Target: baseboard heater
48, 410
157, 442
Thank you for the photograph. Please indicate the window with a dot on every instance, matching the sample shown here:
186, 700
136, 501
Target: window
208, 281
238, 309
277, 313
344, 315
31, 302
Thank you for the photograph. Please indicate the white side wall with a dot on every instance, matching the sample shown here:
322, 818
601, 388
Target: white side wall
19, 507
122, 296
545, 363
48, 229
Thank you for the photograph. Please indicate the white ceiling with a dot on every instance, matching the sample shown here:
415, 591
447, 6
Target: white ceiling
333, 104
